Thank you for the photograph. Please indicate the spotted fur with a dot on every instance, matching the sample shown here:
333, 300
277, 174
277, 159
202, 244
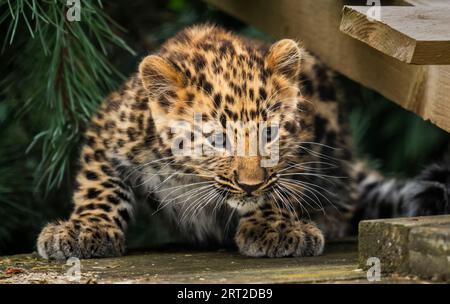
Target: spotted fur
317, 188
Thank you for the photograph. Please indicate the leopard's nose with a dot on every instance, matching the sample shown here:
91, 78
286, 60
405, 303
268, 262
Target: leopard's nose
250, 188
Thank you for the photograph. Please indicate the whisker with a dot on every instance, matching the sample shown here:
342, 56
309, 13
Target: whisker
300, 165
157, 173
230, 217
322, 176
195, 191
182, 186
286, 201
319, 144
206, 202
312, 190
146, 164
314, 185
194, 205
275, 201
318, 154
294, 196
301, 194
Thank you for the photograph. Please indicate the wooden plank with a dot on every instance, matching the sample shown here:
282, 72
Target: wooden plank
339, 264
424, 90
429, 252
436, 3
417, 35
416, 245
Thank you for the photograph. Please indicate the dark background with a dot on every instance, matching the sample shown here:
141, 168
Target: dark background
53, 75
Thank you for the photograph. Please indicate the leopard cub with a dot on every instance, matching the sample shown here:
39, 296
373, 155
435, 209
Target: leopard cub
230, 141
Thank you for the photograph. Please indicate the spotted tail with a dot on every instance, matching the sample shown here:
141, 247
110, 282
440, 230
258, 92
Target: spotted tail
426, 194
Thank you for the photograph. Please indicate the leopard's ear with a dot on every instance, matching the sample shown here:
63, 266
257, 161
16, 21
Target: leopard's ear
284, 57
159, 75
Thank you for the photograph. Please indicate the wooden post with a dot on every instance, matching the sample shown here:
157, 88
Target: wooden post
417, 35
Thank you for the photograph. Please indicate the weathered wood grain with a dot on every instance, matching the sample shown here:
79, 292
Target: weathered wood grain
416, 35
428, 2
417, 245
337, 265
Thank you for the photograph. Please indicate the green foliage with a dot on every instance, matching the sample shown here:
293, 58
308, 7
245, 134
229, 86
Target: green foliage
55, 74
178, 5
64, 74
393, 139
14, 177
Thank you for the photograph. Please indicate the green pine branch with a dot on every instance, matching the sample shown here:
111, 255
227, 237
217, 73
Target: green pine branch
61, 73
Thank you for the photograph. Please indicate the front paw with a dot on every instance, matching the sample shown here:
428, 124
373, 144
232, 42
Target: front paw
259, 238
62, 240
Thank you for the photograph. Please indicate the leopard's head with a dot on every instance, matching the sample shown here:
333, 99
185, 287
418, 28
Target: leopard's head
230, 114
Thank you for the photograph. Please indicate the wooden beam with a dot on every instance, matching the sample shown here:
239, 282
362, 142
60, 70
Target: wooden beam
417, 35
429, 3
424, 90
415, 245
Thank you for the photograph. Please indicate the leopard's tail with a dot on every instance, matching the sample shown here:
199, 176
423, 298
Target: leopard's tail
426, 194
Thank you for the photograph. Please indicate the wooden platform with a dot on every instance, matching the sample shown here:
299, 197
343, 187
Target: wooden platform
339, 264
413, 35
407, 248
405, 55
418, 245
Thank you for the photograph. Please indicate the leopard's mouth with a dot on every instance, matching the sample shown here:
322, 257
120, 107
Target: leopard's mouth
236, 192
245, 203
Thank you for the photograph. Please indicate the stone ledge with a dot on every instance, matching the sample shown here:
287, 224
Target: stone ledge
418, 246
429, 252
